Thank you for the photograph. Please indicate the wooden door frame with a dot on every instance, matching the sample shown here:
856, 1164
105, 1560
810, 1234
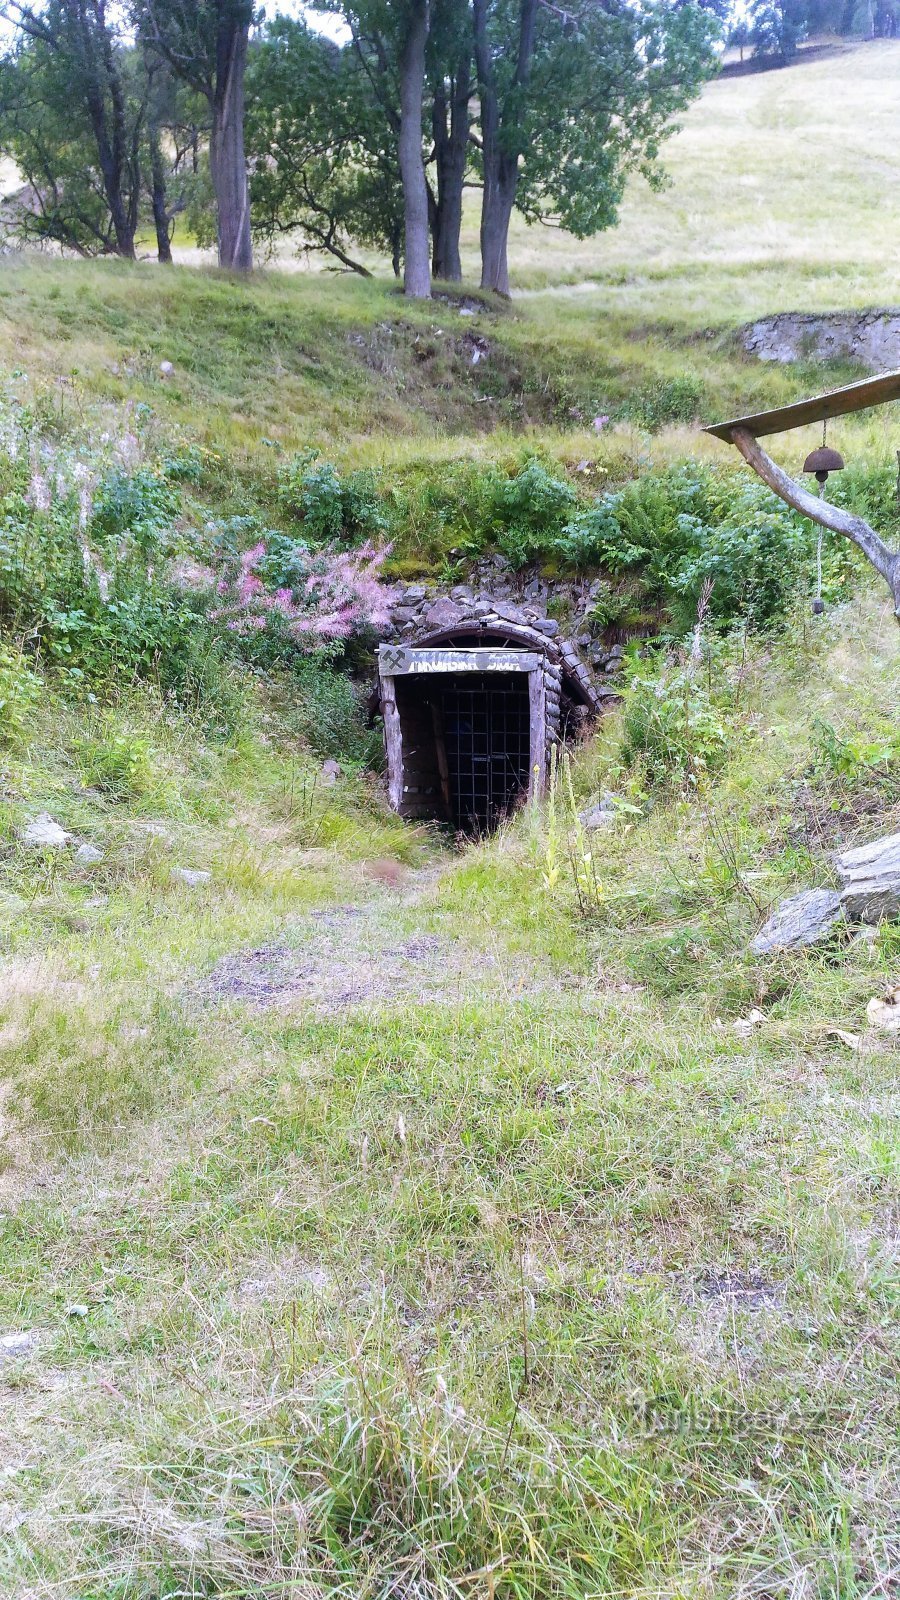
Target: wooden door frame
401, 661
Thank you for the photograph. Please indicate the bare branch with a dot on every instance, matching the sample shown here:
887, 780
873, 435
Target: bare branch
885, 561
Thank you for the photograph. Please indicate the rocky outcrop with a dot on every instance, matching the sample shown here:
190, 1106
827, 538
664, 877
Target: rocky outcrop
869, 893
871, 339
496, 595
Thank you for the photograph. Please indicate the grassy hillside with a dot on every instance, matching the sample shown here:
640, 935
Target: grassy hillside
372, 1219
384, 1219
781, 198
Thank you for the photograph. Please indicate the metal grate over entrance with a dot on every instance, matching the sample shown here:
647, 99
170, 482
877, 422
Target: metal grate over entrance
487, 736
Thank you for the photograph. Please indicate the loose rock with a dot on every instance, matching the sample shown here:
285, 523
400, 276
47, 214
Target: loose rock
800, 920
870, 879
45, 834
192, 876
602, 815
87, 855
16, 1344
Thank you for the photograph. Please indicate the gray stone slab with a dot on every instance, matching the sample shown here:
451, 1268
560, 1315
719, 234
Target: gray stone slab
800, 920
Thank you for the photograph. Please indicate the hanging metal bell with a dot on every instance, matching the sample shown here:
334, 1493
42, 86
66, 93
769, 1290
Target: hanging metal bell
823, 461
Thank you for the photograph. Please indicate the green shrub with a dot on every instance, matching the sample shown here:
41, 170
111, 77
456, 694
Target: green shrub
140, 505
331, 507
673, 726
859, 756
19, 692
669, 401
118, 764
524, 513
677, 530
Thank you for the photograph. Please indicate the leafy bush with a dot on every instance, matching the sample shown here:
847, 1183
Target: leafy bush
859, 756
673, 726
679, 529
94, 614
669, 401
331, 507
523, 513
140, 506
19, 692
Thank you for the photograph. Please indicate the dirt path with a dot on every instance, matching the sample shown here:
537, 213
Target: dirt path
369, 952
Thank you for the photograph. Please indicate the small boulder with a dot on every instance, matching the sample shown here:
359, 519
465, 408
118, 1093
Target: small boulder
87, 855
192, 876
443, 614
45, 834
330, 772
800, 920
16, 1344
601, 815
870, 880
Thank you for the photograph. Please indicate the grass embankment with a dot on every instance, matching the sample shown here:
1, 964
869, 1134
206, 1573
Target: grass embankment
279, 365
375, 1227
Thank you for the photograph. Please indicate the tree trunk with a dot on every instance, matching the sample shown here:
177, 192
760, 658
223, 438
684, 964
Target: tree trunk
451, 149
417, 269
227, 161
102, 78
158, 198
502, 141
496, 214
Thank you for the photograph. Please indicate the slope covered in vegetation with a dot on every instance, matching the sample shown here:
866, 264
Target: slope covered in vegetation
377, 1219
372, 1220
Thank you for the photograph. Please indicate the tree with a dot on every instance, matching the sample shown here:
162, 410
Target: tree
740, 36
572, 101
451, 84
416, 253
322, 156
777, 27
389, 39
205, 43
72, 113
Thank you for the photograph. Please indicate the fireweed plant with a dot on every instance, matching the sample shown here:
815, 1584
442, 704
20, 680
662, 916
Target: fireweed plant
300, 597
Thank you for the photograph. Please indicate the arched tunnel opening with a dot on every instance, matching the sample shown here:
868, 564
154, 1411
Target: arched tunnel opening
467, 738
470, 718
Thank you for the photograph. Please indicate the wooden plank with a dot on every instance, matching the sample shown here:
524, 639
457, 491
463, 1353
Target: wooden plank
393, 744
537, 707
398, 661
834, 403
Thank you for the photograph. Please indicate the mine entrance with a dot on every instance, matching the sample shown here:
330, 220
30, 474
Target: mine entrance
484, 723
465, 731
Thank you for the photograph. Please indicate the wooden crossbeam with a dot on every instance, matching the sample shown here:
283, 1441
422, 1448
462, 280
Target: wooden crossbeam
835, 403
